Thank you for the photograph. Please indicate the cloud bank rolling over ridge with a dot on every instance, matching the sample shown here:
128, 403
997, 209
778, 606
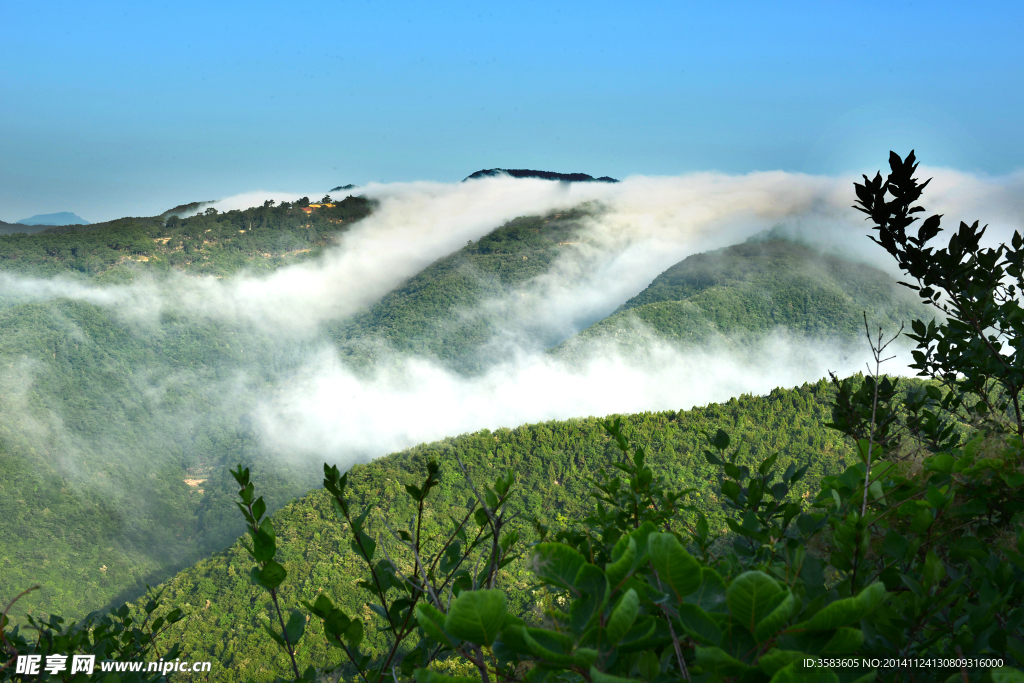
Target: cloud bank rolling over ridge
316, 407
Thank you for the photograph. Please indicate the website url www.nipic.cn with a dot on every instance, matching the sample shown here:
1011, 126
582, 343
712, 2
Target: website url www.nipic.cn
86, 664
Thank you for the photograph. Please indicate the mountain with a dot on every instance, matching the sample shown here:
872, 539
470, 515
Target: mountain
554, 462
260, 238
14, 228
191, 207
62, 218
456, 309
350, 186
738, 295
118, 431
543, 175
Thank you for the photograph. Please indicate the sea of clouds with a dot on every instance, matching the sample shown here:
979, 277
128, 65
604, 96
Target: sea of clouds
320, 408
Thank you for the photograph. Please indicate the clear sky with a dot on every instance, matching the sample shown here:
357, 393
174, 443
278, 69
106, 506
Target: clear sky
117, 108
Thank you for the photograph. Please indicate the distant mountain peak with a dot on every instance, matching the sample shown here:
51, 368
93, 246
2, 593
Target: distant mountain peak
544, 175
61, 218
339, 188
186, 209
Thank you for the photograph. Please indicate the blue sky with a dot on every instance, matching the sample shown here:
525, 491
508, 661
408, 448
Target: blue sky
116, 108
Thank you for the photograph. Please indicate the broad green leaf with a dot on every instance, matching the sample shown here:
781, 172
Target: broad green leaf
647, 632
649, 665
477, 616
677, 570
775, 619
719, 661
848, 610
271, 576
749, 597
428, 676
592, 586
431, 620
275, 635
845, 640
549, 646
1007, 675
557, 564
585, 656
263, 547
698, 625
295, 627
364, 547
601, 677
710, 597
940, 462
798, 673
619, 570
775, 659
623, 616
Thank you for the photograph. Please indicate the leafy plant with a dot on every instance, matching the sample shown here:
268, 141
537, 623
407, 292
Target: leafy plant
114, 637
887, 574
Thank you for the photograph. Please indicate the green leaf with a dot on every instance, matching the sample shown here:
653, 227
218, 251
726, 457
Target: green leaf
649, 665
848, 610
295, 627
698, 625
647, 632
428, 676
275, 635
592, 586
775, 619
623, 616
895, 545
940, 462
270, 577
749, 597
1007, 675
719, 661
677, 570
557, 564
601, 677
264, 547
711, 594
798, 673
845, 640
775, 659
431, 620
921, 521
585, 656
259, 508
543, 644
363, 546
619, 570
477, 616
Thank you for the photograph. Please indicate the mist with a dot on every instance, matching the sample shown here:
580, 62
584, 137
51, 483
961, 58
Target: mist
316, 406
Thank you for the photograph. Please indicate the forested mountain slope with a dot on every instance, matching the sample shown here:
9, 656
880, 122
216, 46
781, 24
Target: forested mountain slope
112, 442
442, 311
554, 462
736, 296
211, 243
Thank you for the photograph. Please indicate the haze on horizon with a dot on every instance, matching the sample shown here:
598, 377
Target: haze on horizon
118, 109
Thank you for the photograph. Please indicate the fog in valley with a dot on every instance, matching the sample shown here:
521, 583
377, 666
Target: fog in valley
310, 404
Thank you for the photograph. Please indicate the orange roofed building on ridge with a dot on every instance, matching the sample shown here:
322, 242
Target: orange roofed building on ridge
309, 209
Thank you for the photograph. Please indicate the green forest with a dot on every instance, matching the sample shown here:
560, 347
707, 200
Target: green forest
736, 296
210, 243
731, 542
556, 463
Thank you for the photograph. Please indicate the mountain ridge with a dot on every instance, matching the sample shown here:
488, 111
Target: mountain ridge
543, 175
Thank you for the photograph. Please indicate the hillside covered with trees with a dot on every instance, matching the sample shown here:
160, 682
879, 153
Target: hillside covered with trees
736, 296
210, 243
